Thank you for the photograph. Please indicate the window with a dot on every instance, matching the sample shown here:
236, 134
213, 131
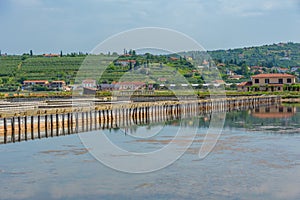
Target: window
280, 81
256, 80
267, 110
267, 80
289, 80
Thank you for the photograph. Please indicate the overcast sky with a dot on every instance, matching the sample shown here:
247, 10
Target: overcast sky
48, 26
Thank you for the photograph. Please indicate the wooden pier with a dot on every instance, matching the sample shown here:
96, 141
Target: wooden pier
48, 120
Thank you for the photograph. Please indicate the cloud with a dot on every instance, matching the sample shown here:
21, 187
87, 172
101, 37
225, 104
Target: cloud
254, 7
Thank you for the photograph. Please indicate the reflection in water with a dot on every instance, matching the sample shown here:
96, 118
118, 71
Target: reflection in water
274, 112
243, 165
280, 119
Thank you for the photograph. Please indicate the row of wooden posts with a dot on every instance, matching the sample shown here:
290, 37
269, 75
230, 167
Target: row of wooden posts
19, 128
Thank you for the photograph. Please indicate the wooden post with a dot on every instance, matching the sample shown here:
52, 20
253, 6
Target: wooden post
63, 123
99, 115
87, 120
111, 118
25, 123
107, 119
91, 121
69, 128
95, 121
39, 126
51, 125
57, 124
31, 128
13, 129
46, 126
76, 121
19, 129
72, 124
5, 130
82, 121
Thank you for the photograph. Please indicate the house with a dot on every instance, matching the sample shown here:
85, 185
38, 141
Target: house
188, 58
205, 62
162, 79
29, 83
89, 91
130, 85
173, 58
51, 55
272, 82
125, 62
57, 85
294, 69
221, 65
107, 87
217, 83
244, 86
235, 77
229, 72
281, 69
89, 83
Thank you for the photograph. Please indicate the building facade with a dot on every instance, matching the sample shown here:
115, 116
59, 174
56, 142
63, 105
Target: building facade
272, 82
267, 82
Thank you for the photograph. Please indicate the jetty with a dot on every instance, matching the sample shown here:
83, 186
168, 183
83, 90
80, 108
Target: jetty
22, 121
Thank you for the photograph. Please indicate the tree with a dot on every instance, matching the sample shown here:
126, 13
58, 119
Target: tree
136, 65
245, 69
61, 54
31, 53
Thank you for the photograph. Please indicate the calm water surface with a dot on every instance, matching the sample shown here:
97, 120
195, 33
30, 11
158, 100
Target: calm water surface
257, 157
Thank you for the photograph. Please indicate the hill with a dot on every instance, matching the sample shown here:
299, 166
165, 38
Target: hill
282, 54
14, 69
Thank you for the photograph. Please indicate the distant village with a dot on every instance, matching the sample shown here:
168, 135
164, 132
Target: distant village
272, 79
260, 82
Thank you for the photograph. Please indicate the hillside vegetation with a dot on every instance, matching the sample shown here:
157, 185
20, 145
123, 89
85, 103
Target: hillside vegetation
14, 69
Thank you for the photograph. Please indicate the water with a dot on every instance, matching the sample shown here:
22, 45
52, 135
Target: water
256, 157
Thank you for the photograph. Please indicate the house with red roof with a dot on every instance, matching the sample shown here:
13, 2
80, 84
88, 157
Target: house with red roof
89, 83
35, 82
244, 86
135, 85
57, 85
268, 82
51, 55
125, 62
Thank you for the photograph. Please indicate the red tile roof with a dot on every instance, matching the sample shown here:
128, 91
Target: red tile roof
35, 81
244, 84
58, 82
273, 76
220, 81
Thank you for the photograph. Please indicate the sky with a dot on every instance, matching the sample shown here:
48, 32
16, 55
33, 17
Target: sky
49, 26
